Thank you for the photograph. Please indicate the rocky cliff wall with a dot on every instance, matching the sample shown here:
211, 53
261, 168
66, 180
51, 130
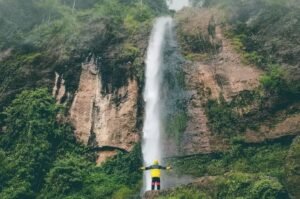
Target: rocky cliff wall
219, 72
104, 120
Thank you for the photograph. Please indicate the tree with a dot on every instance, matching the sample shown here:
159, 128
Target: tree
31, 140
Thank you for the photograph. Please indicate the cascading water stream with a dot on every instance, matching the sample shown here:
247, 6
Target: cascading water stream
152, 130
152, 124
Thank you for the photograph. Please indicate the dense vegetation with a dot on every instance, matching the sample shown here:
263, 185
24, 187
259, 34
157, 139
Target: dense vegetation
39, 155
47, 36
41, 159
232, 185
242, 168
267, 158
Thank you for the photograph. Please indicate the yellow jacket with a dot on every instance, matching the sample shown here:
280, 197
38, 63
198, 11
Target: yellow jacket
155, 170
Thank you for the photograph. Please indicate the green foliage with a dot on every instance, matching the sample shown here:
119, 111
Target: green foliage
80, 4
176, 125
123, 193
243, 171
123, 66
221, 117
231, 185
268, 188
128, 24
18, 17
39, 155
254, 57
241, 185
27, 112
267, 158
65, 176
240, 40
126, 167
73, 176
250, 109
185, 193
17, 189
273, 81
30, 138
232, 3
195, 43
40, 158
51, 36
224, 118
129, 53
292, 168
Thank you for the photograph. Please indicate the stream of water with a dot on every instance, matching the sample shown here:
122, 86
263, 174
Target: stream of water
152, 124
152, 130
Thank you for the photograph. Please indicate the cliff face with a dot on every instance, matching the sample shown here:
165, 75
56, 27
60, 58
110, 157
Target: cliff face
44, 46
216, 70
236, 124
288, 127
210, 75
104, 120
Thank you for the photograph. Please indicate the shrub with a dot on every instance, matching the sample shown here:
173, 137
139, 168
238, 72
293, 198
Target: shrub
221, 117
176, 125
273, 81
292, 169
268, 188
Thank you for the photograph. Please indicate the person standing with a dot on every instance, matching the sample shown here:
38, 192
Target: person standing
155, 171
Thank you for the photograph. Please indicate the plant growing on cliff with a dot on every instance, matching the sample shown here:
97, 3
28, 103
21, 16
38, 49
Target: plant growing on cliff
31, 137
221, 117
292, 169
231, 185
176, 125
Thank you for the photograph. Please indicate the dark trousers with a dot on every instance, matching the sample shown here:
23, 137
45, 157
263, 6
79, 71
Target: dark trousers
155, 181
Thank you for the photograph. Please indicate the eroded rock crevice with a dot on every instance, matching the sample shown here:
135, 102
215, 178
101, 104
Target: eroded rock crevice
59, 90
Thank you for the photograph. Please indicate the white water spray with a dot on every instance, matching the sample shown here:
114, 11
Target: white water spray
152, 124
177, 4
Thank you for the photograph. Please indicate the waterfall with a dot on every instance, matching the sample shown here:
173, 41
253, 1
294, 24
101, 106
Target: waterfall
161, 37
152, 123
